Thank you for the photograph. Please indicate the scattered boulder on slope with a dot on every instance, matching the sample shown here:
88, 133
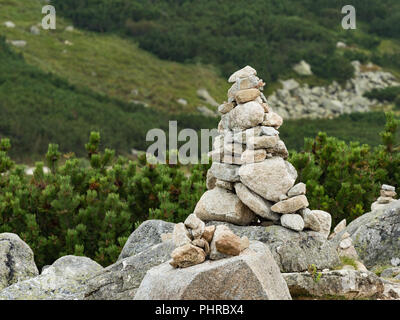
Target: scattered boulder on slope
16, 260
253, 275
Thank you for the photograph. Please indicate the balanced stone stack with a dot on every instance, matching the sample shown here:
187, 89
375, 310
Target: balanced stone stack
195, 243
387, 195
250, 181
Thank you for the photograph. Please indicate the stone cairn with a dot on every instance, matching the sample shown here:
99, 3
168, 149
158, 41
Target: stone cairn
387, 195
249, 183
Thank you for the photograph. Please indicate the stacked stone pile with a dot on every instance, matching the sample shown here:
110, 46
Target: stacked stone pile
295, 101
387, 195
250, 181
195, 243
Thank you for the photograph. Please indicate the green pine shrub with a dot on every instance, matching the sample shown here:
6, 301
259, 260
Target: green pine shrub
345, 178
387, 94
90, 208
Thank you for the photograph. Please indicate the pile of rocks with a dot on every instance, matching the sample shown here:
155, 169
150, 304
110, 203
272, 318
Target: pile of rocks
195, 243
294, 101
387, 195
250, 181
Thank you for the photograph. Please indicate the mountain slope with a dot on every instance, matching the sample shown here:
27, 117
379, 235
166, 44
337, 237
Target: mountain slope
107, 64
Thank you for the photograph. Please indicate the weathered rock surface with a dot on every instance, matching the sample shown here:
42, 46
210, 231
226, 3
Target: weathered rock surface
147, 235
291, 205
222, 205
246, 115
294, 101
180, 235
251, 156
317, 220
195, 225
242, 73
211, 180
270, 178
243, 96
293, 251
65, 279
209, 233
292, 221
297, 190
348, 284
187, 255
16, 260
121, 280
262, 142
256, 203
251, 276
390, 272
376, 236
226, 172
225, 242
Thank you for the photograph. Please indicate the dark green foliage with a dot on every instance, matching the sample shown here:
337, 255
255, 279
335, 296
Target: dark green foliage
362, 127
269, 35
397, 102
387, 94
91, 209
344, 179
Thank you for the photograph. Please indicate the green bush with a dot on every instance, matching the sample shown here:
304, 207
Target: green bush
344, 179
90, 209
387, 94
397, 102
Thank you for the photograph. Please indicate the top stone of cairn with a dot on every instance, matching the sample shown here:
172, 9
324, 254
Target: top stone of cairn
242, 73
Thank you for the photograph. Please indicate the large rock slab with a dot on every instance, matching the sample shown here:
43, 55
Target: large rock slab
253, 275
376, 236
222, 205
337, 284
147, 235
65, 279
270, 179
293, 251
16, 260
121, 280
256, 203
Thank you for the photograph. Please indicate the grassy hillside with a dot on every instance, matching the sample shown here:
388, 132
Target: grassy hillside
270, 35
54, 92
37, 108
106, 63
